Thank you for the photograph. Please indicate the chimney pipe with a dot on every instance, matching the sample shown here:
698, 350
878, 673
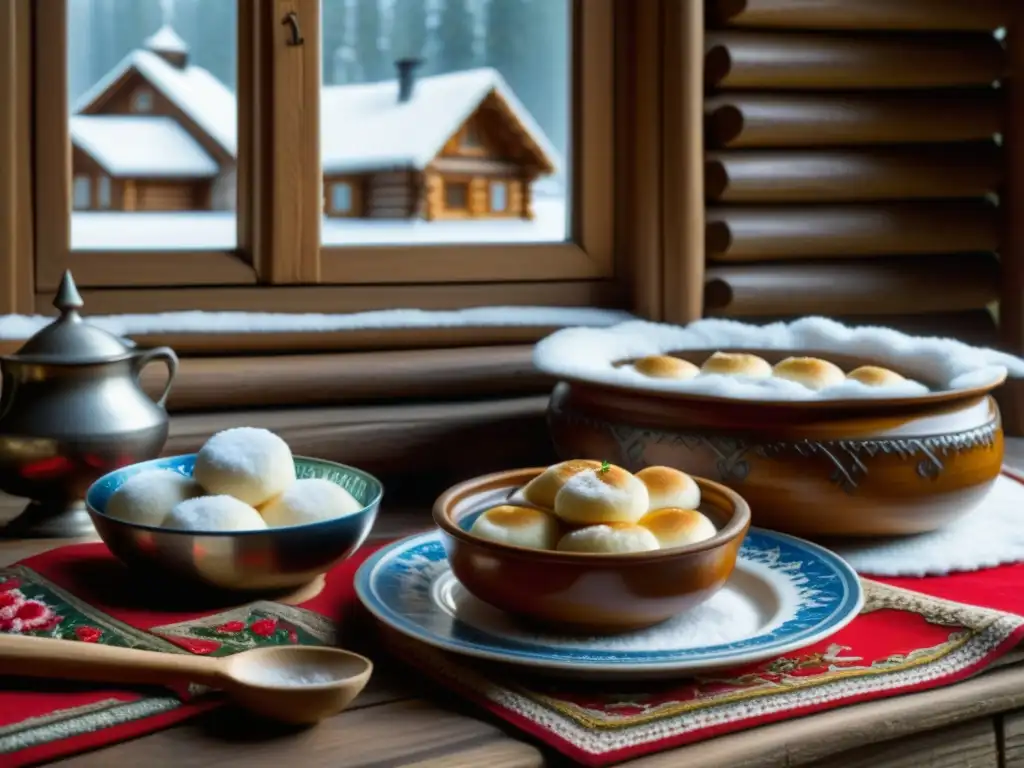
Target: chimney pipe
406, 78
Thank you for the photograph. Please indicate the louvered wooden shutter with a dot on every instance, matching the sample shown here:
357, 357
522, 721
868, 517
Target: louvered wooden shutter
853, 161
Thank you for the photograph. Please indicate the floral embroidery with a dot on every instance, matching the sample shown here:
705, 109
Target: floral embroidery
88, 634
263, 627
9, 602
195, 645
241, 629
19, 613
29, 604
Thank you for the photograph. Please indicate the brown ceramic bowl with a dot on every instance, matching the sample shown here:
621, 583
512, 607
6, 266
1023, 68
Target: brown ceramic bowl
866, 467
587, 592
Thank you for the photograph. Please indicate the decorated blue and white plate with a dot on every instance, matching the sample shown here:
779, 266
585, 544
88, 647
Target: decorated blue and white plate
785, 593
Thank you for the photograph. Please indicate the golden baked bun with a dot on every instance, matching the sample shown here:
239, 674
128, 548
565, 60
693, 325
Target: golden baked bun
737, 364
812, 372
518, 526
875, 376
609, 539
667, 487
666, 367
678, 527
608, 494
541, 491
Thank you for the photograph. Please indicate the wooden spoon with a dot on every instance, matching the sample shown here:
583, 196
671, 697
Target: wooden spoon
299, 684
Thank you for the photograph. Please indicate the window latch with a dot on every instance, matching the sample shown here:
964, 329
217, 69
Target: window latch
291, 19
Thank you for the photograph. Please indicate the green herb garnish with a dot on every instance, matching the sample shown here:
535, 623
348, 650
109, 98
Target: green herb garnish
605, 466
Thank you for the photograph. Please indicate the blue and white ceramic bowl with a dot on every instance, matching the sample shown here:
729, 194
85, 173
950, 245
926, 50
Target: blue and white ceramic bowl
264, 560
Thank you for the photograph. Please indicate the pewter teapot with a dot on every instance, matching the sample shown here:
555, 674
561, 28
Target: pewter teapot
71, 410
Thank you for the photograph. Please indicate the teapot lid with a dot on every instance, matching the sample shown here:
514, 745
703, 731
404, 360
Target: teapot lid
69, 339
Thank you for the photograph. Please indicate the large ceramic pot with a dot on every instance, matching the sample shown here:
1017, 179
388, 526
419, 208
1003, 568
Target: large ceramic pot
867, 468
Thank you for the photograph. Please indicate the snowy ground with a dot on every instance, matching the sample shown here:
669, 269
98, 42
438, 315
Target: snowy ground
215, 230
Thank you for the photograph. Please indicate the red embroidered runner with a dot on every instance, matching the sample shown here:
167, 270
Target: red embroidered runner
946, 629
902, 642
81, 593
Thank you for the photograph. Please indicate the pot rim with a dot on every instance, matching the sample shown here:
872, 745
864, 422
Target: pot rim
737, 526
933, 398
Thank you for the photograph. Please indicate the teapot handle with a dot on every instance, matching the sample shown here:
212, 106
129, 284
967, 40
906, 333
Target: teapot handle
170, 359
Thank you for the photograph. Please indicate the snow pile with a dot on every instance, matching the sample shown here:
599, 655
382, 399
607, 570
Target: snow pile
591, 354
21, 326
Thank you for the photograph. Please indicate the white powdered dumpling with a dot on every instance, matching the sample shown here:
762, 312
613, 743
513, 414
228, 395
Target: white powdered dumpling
609, 494
214, 513
541, 491
149, 496
610, 539
253, 465
518, 526
311, 500
678, 527
669, 487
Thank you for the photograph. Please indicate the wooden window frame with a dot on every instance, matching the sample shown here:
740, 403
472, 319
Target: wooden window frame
588, 251
17, 279
53, 179
279, 225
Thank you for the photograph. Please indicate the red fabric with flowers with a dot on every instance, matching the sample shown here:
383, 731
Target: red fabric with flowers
81, 593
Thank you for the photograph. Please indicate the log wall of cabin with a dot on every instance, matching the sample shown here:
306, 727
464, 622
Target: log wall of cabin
393, 195
165, 195
852, 164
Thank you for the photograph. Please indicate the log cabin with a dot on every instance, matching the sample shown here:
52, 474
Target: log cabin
155, 134
160, 134
453, 146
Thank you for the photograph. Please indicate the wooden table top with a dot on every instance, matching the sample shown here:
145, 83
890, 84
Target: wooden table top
405, 722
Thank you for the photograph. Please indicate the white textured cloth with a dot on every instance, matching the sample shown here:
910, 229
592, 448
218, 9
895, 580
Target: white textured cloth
992, 534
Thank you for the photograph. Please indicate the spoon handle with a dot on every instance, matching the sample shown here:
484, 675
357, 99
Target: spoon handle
74, 660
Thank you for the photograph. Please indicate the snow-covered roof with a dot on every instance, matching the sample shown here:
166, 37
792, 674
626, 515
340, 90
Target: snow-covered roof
195, 91
365, 127
141, 146
166, 39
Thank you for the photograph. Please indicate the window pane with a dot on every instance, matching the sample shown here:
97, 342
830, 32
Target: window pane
499, 199
432, 105
82, 193
151, 85
342, 201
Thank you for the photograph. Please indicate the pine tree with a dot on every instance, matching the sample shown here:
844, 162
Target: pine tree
547, 90
372, 60
215, 44
507, 43
409, 29
332, 22
456, 34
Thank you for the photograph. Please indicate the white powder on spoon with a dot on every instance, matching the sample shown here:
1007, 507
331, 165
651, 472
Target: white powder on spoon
294, 677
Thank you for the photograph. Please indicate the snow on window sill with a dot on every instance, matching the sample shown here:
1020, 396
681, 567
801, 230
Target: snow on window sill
21, 326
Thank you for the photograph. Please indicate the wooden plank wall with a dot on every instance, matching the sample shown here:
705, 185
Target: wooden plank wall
853, 161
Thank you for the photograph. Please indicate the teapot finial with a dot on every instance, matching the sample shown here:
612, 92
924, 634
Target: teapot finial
68, 298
